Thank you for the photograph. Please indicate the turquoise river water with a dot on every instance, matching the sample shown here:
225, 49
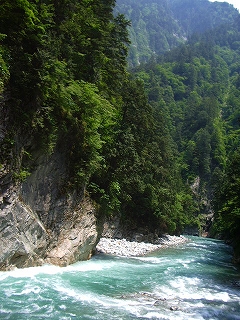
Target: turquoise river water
195, 280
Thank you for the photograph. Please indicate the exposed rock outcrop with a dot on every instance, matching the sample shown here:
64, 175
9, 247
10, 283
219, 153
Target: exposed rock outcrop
77, 238
23, 238
40, 222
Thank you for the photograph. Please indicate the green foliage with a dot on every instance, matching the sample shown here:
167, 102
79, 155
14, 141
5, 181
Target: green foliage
67, 61
191, 84
21, 175
227, 201
4, 70
159, 26
142, 169
133, 143
198, 93
93, 119
227, 190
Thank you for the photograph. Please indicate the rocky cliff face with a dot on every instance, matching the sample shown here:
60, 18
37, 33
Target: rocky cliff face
39, 223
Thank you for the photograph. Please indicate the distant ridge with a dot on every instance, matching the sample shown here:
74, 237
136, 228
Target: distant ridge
158, 26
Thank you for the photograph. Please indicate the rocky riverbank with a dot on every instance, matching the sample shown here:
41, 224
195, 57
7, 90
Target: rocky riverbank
122, 247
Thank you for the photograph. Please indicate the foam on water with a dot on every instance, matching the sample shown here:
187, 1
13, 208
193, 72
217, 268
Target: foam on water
32, 272
102, 302
148, 261
194, 283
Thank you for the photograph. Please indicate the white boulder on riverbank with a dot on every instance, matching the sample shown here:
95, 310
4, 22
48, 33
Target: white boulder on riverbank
124, 248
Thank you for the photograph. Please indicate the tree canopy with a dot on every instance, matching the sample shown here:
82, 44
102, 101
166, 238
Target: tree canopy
136, 142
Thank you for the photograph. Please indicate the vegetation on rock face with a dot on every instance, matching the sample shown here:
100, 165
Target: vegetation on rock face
65, 83
65, 70
135, 142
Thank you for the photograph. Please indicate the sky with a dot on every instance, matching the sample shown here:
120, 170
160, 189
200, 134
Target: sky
235, 3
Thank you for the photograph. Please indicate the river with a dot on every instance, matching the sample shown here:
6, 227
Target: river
195, 280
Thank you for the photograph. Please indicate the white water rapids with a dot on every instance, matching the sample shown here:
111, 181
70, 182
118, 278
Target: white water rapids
195, 280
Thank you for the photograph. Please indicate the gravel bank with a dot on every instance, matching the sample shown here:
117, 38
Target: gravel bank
124, 248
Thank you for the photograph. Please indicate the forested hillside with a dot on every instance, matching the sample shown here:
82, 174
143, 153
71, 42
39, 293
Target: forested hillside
135, 143
197, 87
64, 86
159, 26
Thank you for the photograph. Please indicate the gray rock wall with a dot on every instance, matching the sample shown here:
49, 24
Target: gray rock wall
42, 223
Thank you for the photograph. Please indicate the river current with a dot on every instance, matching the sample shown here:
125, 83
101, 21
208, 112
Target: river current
195, 280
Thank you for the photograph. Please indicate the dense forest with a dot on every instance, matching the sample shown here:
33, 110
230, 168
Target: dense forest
159, 26
156, 145
196, 85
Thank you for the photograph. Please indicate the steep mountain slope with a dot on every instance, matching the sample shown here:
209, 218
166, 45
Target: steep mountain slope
60, 63
197, 86
159, 26
78, 137
82, 140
